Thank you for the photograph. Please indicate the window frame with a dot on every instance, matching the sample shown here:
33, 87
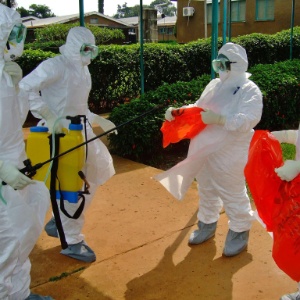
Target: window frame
239, 19
209, 4
266, 7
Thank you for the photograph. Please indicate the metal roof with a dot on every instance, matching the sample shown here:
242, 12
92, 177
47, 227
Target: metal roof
31, 22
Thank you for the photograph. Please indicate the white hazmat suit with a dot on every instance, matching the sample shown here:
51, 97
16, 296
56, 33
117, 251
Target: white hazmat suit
22, 217
217, 156
65, 82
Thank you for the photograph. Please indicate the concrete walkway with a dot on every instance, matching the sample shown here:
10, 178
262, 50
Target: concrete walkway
139, 233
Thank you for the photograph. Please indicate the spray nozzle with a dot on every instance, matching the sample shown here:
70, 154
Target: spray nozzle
74, 120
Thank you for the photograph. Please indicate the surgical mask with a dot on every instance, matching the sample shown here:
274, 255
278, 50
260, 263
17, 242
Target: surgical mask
86, 60
89, 50
223, 75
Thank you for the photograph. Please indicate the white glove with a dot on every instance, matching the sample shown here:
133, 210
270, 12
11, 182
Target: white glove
289, 170
209, 117
14, 70
286, 136
168, 114
50, 119
105, 124
13, 177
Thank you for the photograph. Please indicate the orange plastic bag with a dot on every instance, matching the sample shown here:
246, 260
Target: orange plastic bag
187, 124
265, 155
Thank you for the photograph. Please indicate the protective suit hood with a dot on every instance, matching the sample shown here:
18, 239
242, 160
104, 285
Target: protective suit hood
237, 54
77, 36
8, 19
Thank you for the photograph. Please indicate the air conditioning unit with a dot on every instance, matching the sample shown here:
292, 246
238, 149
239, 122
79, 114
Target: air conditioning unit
188, 11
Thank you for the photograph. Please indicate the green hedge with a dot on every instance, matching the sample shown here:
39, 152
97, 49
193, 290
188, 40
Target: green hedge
141, 140
116, 71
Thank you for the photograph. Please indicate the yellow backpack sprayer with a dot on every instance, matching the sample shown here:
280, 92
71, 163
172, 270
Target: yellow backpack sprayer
62, 164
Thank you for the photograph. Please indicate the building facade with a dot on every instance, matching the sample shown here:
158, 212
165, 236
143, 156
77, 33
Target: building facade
247, 16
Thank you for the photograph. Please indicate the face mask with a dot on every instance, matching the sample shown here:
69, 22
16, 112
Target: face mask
223, 75
15, 50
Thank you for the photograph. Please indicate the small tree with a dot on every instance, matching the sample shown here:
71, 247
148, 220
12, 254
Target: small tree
39, 11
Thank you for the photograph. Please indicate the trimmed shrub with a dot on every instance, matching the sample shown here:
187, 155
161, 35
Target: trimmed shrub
116, 71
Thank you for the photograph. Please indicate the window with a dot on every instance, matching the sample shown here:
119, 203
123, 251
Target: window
94, 21
166, 30
238, 10
209, 11
264, 10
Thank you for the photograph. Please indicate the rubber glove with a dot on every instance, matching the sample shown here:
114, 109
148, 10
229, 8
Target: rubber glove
105, 124
209, 117
289, 170
50, 119
13, 177
168, 114
286, 136
14, 70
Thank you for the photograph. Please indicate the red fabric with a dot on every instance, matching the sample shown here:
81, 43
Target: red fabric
187, 124
277, 201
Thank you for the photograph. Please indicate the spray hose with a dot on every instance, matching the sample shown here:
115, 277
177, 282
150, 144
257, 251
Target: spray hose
30, 170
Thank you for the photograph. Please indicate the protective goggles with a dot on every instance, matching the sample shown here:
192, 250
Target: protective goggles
89, 50
18, 33
221, 63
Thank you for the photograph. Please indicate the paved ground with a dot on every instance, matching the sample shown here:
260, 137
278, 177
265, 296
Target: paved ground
139, 233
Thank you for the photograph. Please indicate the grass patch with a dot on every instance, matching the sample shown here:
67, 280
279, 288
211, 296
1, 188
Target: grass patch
65, 274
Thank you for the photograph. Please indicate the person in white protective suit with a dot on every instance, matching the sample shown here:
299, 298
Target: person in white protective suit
217, 156
64, 83
288, 172
23, 205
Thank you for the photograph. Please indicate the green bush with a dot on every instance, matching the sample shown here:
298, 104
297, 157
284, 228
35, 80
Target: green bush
116, 71
281, 94
32, 58
59, 32
141, 140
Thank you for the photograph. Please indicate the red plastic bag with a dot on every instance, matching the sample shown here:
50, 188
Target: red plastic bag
277, 201
286, 231
187, 124
265, 155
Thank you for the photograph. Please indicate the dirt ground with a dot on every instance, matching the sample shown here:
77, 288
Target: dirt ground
139, 233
